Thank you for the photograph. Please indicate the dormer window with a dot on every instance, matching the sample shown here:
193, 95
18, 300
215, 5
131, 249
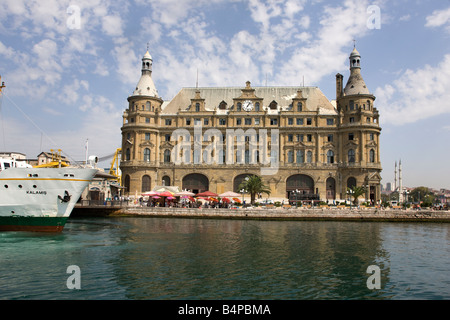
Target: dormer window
197, 107
273, 105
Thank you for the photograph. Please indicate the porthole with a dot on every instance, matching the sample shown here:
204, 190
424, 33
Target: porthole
20, 186
6, 186
34, 186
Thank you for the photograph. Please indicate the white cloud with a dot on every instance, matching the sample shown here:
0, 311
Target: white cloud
439, 18
324, 53
112, 25
416, 95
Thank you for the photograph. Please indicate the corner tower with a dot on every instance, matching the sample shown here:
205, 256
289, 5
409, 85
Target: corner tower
359, 131
140, 132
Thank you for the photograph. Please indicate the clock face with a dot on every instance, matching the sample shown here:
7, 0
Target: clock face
247, 105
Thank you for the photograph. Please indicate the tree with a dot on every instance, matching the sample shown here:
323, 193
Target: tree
254, 185
356, 192
422, 194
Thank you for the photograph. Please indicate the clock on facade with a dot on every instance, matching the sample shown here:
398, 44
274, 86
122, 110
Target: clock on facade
247, 105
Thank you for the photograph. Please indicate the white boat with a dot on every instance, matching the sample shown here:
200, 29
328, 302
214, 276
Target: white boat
39, 199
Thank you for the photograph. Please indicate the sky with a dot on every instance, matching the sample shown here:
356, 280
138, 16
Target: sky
69, 66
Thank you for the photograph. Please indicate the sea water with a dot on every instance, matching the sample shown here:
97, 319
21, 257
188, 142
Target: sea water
204, 259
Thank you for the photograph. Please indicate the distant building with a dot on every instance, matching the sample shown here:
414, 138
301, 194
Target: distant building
388, 187
317, 147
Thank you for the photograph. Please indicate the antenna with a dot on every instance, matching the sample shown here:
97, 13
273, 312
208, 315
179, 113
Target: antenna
354, 43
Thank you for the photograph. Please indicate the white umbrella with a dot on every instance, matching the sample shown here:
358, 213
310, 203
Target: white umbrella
149, 193
185, 193
230, 194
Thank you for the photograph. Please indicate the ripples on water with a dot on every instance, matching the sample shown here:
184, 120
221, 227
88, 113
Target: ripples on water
153, 258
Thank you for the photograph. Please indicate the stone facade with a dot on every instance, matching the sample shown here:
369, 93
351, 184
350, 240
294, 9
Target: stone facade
293, 137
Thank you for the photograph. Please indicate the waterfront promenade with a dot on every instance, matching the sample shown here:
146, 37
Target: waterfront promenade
302, 214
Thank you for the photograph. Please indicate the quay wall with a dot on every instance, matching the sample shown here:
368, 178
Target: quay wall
290, 214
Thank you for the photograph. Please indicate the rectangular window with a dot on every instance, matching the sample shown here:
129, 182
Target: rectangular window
300, 137
330, 138
256, 121
188, 122
309, 137
351, 136
299, 121
290, 121
352, 119
330, 122
197, 122
238, 121
290, 137
206, 122
308, 121
248, 121
168, 122
167, 137
273, 121
147, 136
371, 136
147, 120
222, 122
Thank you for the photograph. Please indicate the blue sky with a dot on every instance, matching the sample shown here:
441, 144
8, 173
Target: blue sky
69, 66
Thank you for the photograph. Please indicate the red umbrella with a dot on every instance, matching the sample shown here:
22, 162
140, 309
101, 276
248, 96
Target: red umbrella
165, 194
225, 200
207, 194
237, 200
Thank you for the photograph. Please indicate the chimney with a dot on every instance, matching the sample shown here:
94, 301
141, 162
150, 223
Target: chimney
339, 86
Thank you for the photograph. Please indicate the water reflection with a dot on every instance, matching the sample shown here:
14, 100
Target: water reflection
222, 259
157, 258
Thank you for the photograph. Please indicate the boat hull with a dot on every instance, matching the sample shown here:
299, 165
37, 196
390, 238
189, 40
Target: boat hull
40, 199
35, 224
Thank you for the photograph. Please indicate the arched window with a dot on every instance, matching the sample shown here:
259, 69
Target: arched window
330, 156
126, 183
239, 106
372, 156
145, 183
167, 156
127, 154
257, 106
166, 181
197, 107
299, 107
351, 156
147, 106
147, 154
351, 182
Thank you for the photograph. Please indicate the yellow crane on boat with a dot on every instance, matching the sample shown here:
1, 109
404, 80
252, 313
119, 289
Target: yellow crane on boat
2, 84
57, 161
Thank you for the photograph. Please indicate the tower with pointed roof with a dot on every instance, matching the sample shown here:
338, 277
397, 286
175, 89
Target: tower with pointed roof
359, 130
140, 130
